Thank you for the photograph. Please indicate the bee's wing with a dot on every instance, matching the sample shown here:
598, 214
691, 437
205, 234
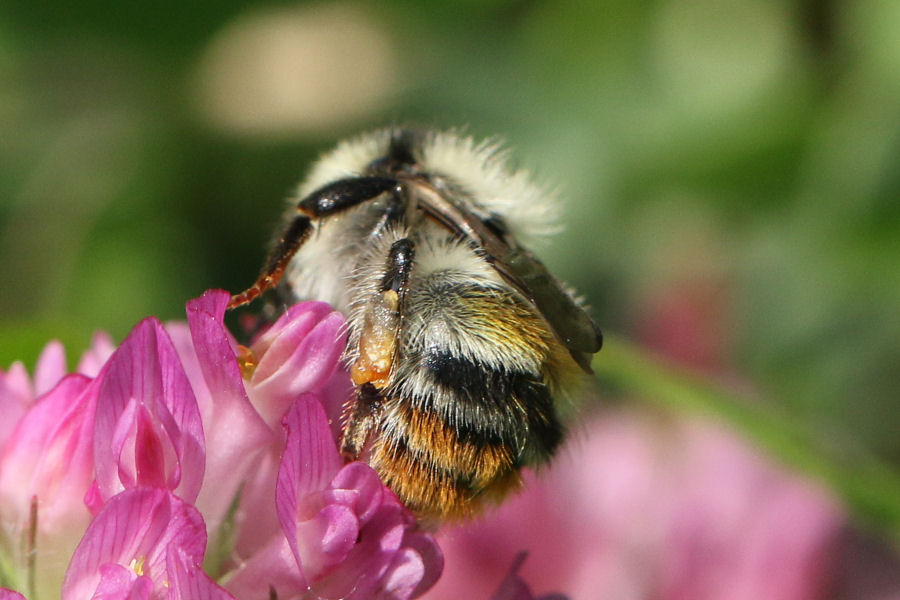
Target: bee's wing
522, 269
575, 329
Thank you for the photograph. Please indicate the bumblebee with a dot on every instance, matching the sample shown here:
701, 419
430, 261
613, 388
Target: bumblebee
461, 345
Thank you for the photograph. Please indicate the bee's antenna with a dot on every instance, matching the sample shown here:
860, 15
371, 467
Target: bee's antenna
281, 255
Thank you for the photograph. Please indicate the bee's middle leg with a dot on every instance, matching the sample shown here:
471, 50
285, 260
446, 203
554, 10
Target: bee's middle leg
360, 419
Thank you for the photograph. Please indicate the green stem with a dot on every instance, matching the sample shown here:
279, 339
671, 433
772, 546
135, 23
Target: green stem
869, 487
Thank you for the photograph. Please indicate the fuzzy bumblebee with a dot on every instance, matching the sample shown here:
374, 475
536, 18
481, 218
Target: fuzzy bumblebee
461, 344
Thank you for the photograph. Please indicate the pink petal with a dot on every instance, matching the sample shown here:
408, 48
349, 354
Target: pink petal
120, 583
418, 549
50, 368
49, 456
187, 581
6, 594
150, 455
325, 540
214, 348
310, 461
299, 318
302, 357
310, 504
255, 520
139, 453
17, 384
145, 371
359, 576
371, 492
135, 529
271, 569
93, 499
15, 398
403, 576
180, 334
334, 396
236, 438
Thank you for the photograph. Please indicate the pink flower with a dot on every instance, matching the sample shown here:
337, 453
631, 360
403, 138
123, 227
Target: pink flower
245, 437
632, 509
46, 461
148, 431
298, 354
236, 437
18, 391
204, 462
349, 533
144, 543
46, 468
175, 438
16, 395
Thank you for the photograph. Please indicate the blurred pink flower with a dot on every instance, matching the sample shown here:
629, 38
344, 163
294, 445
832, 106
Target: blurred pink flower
16, 395
46, 468
633, 509
18, 391
513, 587
46, 462
687, 322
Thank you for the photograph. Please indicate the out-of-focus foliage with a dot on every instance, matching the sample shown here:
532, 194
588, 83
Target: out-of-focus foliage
729, 167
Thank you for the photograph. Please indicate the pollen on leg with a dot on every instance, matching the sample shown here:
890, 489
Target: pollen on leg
378, 342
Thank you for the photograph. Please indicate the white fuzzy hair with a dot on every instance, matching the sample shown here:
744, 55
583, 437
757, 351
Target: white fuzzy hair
482, 169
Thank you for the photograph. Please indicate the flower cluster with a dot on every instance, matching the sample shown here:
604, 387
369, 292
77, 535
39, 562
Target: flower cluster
670, 509
181, 465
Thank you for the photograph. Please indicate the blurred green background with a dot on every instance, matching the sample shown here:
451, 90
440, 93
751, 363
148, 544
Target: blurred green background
728, 167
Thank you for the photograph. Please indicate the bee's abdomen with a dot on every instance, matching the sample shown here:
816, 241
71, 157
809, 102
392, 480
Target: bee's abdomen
463, 435
468, 403
495, 405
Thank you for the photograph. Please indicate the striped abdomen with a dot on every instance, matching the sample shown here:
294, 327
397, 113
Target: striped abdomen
470, 403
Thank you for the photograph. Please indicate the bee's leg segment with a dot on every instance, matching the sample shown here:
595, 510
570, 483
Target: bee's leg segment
281, 255
393, 214
381, 324
324, 202
399, 267
344, 194
360, 420
378, 344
